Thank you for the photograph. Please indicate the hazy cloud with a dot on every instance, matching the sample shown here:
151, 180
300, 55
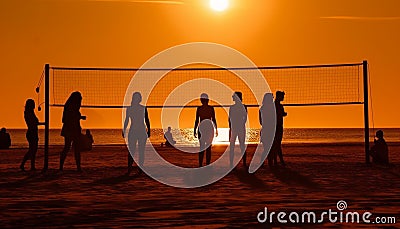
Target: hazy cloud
361, 18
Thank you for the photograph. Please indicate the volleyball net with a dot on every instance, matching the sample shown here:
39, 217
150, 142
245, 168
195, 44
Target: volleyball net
339, 84
303, 85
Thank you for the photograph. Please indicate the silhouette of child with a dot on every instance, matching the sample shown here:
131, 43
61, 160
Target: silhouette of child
205, 118
379, 151
71, 129
5, 139
32, 135
169, 140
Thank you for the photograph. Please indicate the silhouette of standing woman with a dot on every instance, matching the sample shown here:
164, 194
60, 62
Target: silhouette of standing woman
265, 110
32, 135
205, 117
237, 127
71, 129
138, 134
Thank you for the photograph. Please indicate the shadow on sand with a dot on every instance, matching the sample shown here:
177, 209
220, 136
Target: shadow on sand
292, 177
249, 178
390, 169
33, 177
116, 179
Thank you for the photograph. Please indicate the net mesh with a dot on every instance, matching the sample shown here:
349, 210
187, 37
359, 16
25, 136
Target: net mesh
303, 85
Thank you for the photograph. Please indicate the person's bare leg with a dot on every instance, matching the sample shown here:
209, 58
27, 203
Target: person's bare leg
201, 153
131, 154
33, 155
232, 148
281, 155
242, 143
63, 154
208, 155
201, 157
77, 155
141, 148
26, 157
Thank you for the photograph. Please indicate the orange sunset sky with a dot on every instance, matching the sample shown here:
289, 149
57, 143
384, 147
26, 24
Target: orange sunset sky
82, 33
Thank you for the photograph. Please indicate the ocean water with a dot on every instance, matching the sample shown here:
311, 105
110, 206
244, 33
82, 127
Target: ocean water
185, 136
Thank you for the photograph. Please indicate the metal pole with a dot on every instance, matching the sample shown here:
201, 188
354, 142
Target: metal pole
366, 111
46, 116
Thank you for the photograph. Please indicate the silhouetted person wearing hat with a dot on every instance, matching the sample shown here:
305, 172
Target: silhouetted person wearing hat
5, 139
71, 129
237, 127
380, 151
32, 134
277, 144
139, 129
206, 122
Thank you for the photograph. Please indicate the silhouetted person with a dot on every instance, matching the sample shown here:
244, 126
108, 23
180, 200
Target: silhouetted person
379, 151
237, 127
169, 140
280, 113
5, 139
265, 110
138, 134
205, 117
32, 134
86, 141
71, 129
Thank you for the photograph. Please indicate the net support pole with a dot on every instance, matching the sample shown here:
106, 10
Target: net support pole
366, 110
46, 116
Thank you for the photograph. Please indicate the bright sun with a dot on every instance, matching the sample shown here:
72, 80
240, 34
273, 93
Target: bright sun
219, 5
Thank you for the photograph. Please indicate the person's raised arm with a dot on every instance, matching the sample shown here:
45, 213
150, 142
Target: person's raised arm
147, 120
196, 123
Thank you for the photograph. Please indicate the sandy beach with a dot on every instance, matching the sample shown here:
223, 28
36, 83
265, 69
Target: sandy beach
316, 177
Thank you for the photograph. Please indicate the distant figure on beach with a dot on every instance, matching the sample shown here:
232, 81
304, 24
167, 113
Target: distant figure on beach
86, 141
379, 151
206, 122
266, 108
237, 127
5, 139
32, 134
280, 113
139, 129
71, 129
169, 140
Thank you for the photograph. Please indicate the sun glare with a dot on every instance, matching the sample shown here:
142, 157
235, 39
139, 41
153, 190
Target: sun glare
219, 5
223, 136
